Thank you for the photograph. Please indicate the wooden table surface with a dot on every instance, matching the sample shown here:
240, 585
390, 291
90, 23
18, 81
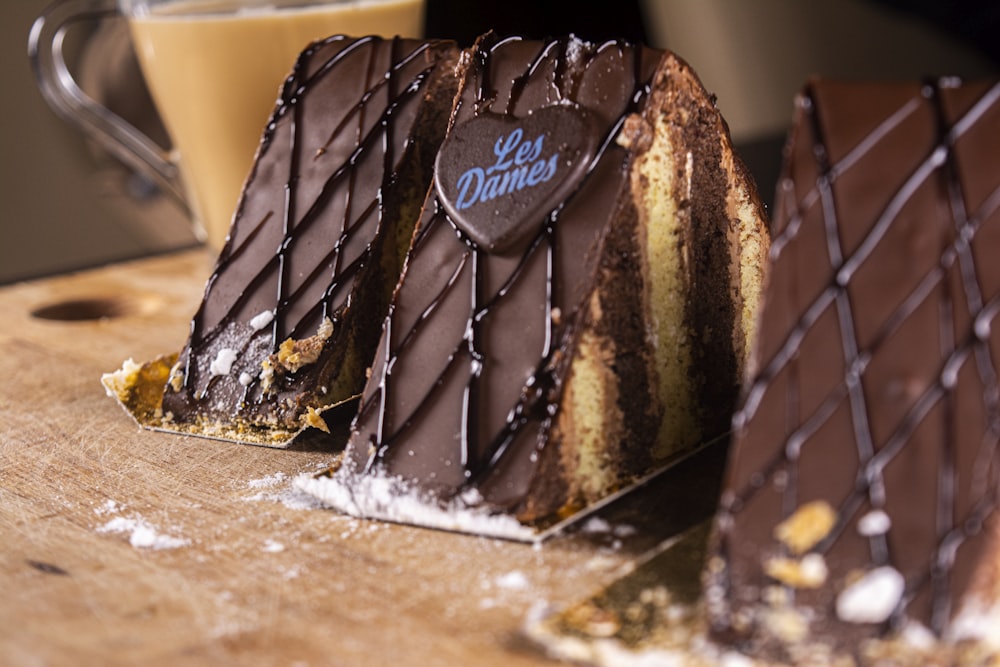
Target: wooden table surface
126, 547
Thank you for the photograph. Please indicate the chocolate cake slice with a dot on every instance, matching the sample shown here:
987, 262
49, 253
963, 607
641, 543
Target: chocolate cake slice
861, 499
575, 307
292, 312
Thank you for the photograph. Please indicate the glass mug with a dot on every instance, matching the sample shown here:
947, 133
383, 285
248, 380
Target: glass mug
214, 69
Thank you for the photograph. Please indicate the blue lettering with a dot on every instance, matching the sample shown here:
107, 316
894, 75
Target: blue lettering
504, 148
536, 173
477, 185
523, 153
536, 149
552, 166
490, 190
470, 177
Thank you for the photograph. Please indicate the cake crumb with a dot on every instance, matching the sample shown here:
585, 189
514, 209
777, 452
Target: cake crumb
636, 134
787, 624
594, 621
119, 383
807, 526
312, 418
266, 375
176, 381
294, 354
874, 523
809, 572
872, 597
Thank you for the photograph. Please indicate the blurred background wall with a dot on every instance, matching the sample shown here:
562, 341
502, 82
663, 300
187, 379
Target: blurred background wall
62, 204
65, 206
755, 54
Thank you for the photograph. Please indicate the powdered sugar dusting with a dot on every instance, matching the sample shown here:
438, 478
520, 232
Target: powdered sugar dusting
513, 581
268, 481
977, 620
142, 534
510, 588
376, 496
575, 52
108, 507
278, 488
273, 547
595, 525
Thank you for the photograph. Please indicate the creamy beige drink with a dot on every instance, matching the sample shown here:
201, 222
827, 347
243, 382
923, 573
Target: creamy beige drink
215, 78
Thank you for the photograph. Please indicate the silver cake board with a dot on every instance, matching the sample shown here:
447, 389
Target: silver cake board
375, 497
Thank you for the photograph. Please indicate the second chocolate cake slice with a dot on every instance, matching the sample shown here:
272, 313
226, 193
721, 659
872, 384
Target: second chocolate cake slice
292, 312
575, 307
861, 504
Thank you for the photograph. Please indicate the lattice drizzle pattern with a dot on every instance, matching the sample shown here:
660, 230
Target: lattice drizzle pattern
965, 331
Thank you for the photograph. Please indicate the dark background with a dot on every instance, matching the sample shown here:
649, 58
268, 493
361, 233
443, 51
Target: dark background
65, 206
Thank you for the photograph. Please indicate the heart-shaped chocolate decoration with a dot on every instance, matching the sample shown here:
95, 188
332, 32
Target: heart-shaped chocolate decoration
499, 177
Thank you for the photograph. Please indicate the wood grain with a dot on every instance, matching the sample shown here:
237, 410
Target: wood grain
259, 579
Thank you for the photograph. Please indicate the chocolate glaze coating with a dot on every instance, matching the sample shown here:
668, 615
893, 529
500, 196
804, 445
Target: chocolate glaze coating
332, 197
878, 359
468, 376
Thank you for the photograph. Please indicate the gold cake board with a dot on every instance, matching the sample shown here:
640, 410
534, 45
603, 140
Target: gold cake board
650, 616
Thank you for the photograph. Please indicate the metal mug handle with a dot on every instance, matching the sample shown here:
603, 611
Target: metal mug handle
67, 99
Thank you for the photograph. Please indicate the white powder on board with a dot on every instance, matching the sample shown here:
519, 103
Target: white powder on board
515, 581
377, 496
277, 488
595, 525
108, 507
273, 547
268, 481
142, 534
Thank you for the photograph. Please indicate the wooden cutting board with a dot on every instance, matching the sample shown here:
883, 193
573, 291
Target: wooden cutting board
126, 547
